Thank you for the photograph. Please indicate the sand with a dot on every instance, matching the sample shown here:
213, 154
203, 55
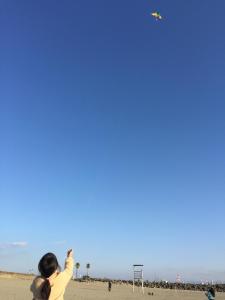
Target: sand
18, 289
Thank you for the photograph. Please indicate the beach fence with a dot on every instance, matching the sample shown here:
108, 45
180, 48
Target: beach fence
138, 277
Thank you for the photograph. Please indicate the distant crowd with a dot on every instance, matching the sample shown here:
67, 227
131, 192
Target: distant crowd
169, 285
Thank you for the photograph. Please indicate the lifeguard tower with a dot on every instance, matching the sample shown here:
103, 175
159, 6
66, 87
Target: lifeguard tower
138, 277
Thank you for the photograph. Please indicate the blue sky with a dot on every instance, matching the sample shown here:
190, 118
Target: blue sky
112, 135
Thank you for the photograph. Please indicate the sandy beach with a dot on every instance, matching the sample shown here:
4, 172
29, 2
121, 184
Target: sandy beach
18, 289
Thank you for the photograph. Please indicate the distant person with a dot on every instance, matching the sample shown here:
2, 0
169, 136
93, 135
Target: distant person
109, 286
211, 295
52, 282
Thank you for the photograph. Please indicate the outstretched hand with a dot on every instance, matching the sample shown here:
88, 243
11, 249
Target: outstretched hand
70, 253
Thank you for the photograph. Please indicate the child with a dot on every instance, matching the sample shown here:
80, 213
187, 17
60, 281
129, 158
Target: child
52, 283
211, 294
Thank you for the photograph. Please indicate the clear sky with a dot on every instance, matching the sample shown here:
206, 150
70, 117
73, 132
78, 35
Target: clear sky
112, 135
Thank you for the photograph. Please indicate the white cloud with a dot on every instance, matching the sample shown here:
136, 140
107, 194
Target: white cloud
13, 245
19, 244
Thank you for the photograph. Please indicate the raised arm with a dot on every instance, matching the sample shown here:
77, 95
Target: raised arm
69, 263
67, 274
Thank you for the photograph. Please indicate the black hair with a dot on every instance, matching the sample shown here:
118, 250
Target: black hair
212, 291
47, 266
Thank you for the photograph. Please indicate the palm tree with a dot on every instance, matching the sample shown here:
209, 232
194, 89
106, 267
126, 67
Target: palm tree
77, 267
88, 267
